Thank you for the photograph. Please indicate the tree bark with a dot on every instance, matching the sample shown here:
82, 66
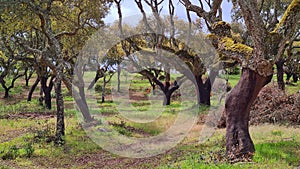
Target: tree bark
239, 145
295, 78
153, 88
93, 82
280, 73
12, 85
6, 95
166, 89
32, 89
47, 91
167, 99
203, 91
103, 90
28, 76
60, 124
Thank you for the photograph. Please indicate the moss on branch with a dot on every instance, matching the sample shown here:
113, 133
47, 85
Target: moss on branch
230, 45
289, 17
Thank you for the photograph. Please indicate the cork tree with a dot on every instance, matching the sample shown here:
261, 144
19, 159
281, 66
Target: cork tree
55, 20
257, 63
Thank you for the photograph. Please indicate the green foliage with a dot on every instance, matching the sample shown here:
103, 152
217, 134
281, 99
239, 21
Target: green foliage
12, 152
98, 88
292, 10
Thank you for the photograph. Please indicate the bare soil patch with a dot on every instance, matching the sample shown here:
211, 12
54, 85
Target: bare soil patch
30, 115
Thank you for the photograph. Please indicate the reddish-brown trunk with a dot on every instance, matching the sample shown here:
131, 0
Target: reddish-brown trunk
239, 145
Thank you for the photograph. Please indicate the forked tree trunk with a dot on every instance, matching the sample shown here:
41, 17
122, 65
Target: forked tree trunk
203, 91
12, 85
239, 145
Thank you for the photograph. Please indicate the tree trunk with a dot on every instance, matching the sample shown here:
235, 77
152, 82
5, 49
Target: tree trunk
203, 90
295, 78
84, 107
6, 95
205, 96
153, 89
60, 124
27, 82
28, 76
7, 89
239, 145
119, 73
167, 99
103, 90
103, 97
280, 73
288, 77
93, 82
47, 93
41, 99
32, 89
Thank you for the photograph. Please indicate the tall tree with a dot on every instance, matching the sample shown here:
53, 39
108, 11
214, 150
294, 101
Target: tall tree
257, 63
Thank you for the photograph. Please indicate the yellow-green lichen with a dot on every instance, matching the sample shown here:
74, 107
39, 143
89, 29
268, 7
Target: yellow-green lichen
221, 24
291, 12
230, 45
212, 36
221, 28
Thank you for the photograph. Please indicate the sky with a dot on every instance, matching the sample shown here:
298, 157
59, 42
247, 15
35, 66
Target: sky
131, 13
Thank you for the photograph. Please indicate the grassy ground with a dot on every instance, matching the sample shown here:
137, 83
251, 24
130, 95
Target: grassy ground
27, 129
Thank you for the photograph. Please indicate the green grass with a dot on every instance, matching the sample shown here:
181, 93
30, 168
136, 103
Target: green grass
290, 88
277, 152
234, 79
276, 146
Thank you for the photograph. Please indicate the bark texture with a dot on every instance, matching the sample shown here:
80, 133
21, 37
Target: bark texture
280, 73
32, 89
239, 145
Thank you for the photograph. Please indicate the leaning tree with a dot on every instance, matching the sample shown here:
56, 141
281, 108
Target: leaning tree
257, 63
